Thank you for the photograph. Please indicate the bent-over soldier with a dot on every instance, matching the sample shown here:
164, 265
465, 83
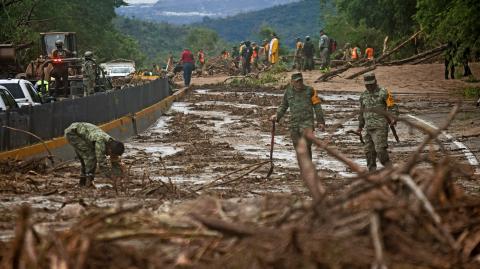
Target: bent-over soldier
92, 145
303, 102
376, 125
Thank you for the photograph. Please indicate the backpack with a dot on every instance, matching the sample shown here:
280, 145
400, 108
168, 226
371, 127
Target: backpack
332, 47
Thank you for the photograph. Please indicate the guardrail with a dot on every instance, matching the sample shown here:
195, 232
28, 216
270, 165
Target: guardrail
50, 120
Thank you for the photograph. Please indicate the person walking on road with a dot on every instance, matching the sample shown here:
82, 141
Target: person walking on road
303, 101
188, 63
274, 49
247, 53
308, 53
449, 55
92, 145
324, 46
89, 69
201, 60
298, 60
376, 125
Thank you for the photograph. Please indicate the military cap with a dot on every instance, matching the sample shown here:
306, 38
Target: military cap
369, 78
297, 76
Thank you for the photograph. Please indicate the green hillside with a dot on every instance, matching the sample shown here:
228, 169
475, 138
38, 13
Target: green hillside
289, 21
158, 40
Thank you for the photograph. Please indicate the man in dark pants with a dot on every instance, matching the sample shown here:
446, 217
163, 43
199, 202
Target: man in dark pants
449, 64
187, 61
246, 58
60, 69
308, 52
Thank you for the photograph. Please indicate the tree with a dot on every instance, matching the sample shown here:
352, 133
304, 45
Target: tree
445, 20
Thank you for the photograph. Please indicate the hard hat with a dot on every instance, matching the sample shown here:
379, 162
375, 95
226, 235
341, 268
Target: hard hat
88, 54
59, 43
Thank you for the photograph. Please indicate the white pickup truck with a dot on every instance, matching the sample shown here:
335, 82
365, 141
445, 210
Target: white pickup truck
119, 68
6, 100
23, 92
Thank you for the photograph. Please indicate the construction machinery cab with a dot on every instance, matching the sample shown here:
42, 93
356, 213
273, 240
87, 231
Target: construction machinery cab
47, 42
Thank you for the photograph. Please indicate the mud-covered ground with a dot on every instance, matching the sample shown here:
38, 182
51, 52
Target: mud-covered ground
208, 143
214, 132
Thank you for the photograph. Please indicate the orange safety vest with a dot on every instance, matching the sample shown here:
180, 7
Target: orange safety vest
201, 57
354, 53
369, 53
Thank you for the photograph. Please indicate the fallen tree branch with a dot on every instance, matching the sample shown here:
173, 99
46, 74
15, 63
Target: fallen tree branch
50, 155
419, 56
361, 72
333, 73
403, 44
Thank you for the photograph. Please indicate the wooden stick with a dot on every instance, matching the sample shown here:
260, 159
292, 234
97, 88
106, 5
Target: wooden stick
376, 234
408, 181
50, 155
224, 176
223, 226
308, 172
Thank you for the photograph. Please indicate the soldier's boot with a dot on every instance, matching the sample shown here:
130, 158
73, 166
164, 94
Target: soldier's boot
83, 180
82, 171
384, 158
371, 161
89, 181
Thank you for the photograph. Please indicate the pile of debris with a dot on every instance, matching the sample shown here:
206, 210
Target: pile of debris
409, 216
219, 65
38, 165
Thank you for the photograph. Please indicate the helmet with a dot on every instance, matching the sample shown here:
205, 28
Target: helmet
59, 43
88, 54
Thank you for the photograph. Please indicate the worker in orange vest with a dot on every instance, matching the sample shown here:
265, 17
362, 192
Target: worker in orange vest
356, 53
201, 59
255, 54
369, 53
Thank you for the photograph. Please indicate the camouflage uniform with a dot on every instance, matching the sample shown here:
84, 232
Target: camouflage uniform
89, 142
89, 76
376, 126
302, 103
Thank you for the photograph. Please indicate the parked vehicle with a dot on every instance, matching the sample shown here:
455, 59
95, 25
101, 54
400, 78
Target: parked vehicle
7, 101
119, 68
23, 92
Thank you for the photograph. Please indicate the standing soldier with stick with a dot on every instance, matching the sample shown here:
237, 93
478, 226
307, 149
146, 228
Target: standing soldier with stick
302, 101
376, 125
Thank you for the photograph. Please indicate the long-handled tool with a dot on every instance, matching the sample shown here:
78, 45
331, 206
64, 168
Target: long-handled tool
271, 150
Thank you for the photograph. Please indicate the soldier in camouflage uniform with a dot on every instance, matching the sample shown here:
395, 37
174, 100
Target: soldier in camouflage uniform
89, 74
376, 125
92, 145
302, 101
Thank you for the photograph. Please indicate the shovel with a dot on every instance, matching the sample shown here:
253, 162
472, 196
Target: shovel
271, 150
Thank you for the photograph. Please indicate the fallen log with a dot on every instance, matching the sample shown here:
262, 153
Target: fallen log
361, 72
333, 73
427, 58
403, 44
418, 56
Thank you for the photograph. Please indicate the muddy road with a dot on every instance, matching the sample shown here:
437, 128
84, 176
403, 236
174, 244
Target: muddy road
216, 143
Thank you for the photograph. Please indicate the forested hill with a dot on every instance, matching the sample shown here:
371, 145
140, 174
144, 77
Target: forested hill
288, 21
